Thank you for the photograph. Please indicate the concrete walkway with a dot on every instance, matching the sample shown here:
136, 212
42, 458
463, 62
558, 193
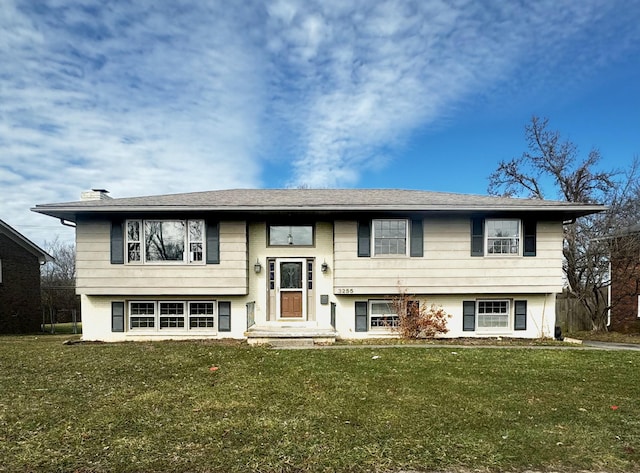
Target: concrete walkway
610, 345
579, 345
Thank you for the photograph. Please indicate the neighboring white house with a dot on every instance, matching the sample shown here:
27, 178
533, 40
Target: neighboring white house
320, 263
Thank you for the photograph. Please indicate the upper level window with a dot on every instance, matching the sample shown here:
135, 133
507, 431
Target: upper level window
390, 237
164, 241
291, 235
503, 236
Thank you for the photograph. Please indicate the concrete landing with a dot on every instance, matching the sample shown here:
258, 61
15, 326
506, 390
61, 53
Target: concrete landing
290, 335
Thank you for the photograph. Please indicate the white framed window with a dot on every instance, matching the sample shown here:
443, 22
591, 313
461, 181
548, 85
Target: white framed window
493, 315
134, 243
503, 236
165, 241
390, 237
196, 241
290, 235
382, 316
172, 315
202, 315
142, 315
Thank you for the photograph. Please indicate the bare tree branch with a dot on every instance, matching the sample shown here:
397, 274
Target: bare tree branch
587, 242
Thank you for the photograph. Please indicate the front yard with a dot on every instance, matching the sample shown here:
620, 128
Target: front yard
209, 407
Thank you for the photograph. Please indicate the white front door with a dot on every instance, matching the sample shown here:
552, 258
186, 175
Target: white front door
291, 289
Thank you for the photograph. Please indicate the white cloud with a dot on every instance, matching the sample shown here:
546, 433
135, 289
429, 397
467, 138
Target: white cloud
146, 97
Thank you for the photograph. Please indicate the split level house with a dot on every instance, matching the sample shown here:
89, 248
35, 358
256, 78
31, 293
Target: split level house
20, 298
314, 263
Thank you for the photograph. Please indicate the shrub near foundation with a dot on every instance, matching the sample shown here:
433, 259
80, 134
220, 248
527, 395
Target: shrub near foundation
417, 320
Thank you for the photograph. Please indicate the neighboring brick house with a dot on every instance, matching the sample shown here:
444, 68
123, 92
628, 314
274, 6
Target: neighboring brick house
625, 282
20, 302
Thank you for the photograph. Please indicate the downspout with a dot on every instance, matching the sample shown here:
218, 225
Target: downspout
609, 296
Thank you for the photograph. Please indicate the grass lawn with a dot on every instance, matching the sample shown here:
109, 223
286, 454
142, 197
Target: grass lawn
607, 336
158, 407
64, 328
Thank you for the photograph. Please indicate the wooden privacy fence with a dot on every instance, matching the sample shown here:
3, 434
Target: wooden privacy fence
571, 316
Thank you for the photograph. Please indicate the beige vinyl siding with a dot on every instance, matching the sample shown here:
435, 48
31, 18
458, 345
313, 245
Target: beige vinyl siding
96, 274
447, 266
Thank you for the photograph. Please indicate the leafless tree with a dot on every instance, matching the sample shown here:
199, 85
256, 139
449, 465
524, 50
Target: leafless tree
58, 280
555, 164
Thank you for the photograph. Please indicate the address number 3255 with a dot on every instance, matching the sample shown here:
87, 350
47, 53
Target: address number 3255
345, 291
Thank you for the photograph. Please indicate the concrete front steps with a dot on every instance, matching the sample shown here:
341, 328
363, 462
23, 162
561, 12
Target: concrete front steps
290, 335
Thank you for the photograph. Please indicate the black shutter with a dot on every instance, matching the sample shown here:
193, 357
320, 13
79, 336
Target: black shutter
364, 239
416, 238
213, 243
477, 236
529, 230
224, 316
362, 322
520, 322
468, 316
117, 242
117, 316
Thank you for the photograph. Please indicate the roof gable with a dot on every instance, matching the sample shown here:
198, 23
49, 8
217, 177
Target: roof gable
25, 243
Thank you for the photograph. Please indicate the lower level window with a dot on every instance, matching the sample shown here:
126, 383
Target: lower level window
142, 314
382, 315
493, 314
171, 315
201, 315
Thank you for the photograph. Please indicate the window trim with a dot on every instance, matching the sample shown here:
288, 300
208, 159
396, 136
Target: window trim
407, 240
291, 245
372, 315
186, 254
508, 315
187, 316
130, 317
168, 316
214, 315
519, 238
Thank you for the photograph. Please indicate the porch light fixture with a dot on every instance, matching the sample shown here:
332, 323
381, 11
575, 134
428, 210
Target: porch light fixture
257, 267
324, 267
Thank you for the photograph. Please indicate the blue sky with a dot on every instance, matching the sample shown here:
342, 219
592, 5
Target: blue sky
153, 97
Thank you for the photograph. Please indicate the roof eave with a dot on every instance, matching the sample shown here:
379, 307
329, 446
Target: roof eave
70, 213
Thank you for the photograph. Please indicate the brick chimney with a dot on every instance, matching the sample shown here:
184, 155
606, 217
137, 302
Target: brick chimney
95, 194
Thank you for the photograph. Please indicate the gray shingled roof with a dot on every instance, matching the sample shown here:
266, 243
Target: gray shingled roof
336, 200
